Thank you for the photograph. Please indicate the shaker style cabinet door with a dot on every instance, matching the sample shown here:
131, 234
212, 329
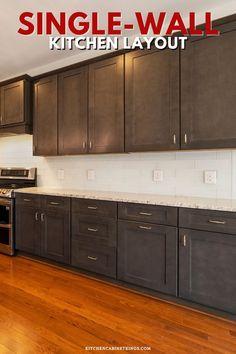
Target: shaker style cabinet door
45, 117
73, 102
56, 235
152, 100
208, 91
12, 103
207, 268
106, 106
28, 228
147, 255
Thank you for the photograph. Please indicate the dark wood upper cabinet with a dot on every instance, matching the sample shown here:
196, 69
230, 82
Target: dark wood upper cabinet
106, 105
152, 100
73, 118
15, 106
208, 95
45, 117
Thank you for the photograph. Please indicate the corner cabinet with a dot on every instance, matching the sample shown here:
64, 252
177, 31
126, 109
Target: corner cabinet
152, 100
208, 96
106, 106
45, 117
15, 106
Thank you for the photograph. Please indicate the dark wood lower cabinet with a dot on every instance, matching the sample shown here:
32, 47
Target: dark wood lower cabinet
207, 268
43, 226
55, 242
147, 255
28, 229
100, 260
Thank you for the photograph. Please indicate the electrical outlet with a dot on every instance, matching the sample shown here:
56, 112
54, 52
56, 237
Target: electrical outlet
91, 175
210, 177
157, 176
61, 174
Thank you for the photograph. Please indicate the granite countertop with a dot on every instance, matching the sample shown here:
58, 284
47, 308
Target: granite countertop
153, 199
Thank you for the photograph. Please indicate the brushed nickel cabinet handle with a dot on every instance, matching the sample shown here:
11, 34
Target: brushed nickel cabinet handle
185, 138
145, 214
84, 145
27, 200
42, 217
217, 222
54, 203
36, 216
92, 230
92, 207
93, 258
174, 139
145, 227
184, 241
90, 144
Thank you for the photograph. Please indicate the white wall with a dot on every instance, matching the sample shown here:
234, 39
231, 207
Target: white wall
183, 171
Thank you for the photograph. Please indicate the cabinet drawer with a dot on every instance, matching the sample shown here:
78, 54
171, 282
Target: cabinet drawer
100, 260
54, 202
148, 213
28, 199
208, 220
94, 229
95, 207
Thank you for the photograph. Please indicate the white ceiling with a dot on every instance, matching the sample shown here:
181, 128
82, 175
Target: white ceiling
30, 54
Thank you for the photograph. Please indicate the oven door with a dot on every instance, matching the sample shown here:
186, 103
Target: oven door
6, 226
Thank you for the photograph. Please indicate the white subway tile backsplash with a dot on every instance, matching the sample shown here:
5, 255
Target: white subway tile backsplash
182, 171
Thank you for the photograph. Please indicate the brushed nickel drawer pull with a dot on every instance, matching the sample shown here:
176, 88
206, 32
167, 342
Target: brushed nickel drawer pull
217, 222
93, 258
146, 214
27, 200
93, 230
54, 203
145, 227
92, 207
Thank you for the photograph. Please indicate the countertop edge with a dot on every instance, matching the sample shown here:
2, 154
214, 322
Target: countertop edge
178, 202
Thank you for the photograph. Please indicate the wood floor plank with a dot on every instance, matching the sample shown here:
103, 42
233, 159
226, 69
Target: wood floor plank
45, 309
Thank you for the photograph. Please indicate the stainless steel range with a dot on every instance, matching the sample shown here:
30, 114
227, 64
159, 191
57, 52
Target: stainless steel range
10, 180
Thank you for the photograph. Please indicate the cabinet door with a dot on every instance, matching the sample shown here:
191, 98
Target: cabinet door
27, 231
12, 103
207, 268
152, 100
45, 116
147, 255
208, 95
106, 106
56, 235
73, 102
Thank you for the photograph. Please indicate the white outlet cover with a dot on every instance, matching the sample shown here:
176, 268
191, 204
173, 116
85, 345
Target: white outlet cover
91, 175
210, 177
157, 176
61, 174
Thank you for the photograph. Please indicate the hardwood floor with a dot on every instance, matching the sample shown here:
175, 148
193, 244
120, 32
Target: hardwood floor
44, 309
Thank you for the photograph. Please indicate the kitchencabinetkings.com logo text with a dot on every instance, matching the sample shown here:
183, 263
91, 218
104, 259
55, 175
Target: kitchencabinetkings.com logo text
83, 31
